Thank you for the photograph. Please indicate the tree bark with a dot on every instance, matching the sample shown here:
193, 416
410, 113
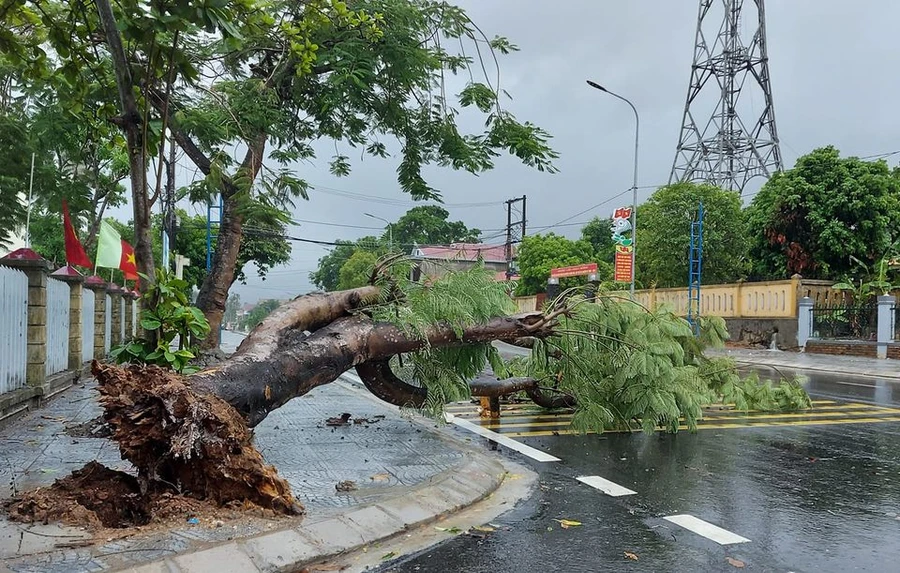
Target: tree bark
194, 431
130, 123
214, 291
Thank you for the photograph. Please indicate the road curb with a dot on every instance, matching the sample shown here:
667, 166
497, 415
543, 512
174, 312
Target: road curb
754, 360
290, 548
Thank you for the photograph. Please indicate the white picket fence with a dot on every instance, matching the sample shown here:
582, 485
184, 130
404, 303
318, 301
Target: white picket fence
57, 326
13, 328
107, 343
87, 324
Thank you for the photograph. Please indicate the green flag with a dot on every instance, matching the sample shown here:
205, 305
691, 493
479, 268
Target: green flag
109, 247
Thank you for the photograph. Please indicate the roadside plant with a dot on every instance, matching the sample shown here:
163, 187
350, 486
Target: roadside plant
169, 323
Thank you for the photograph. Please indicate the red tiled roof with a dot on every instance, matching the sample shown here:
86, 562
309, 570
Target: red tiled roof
463, 252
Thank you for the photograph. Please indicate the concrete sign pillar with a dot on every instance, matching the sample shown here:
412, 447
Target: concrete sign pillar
98, 285
804, 321
885, 323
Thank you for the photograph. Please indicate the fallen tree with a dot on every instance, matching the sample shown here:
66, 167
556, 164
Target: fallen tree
617, 364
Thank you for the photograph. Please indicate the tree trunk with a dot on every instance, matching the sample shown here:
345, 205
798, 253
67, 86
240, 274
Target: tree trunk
194, 431
130, 123
214, 291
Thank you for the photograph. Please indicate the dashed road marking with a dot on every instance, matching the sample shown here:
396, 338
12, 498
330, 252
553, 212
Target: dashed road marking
706, 529
606, 486
505, 441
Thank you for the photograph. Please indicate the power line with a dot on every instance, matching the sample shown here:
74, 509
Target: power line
327, 224
356, 196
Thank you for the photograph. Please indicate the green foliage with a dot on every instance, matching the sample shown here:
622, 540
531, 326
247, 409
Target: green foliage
166, 314
328, 275
357, 270
540, 253
264, 244
429, 225
598, 233
458, 299
422, 225
664, 230
872, 281
811, 219
263, 309
628, 367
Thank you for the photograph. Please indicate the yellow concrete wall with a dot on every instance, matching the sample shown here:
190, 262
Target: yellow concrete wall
767, 299
526, 303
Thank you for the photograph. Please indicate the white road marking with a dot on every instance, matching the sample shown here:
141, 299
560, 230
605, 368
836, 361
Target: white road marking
606, 486
501, 439
707, 530
352, 376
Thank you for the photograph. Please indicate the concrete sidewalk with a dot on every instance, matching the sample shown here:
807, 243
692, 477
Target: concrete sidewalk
853, 365
407, 472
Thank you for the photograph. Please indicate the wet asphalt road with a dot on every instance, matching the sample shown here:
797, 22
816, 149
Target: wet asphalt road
809, 498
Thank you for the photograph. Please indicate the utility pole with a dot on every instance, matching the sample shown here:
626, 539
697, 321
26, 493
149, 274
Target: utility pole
515, 229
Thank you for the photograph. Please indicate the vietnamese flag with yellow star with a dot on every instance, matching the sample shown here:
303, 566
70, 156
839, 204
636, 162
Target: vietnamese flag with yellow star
113, 252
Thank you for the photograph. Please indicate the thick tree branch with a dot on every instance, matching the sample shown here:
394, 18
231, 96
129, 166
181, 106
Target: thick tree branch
262, 377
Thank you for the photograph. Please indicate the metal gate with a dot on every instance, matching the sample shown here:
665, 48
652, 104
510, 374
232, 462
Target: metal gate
13, 328
57, 326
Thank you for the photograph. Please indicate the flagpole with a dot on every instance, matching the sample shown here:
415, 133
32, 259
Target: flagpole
28, 212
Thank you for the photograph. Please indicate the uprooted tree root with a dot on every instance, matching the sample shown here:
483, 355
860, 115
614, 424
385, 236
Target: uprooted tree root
184, 445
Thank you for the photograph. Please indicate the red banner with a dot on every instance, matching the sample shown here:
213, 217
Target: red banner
623, 266
575, 271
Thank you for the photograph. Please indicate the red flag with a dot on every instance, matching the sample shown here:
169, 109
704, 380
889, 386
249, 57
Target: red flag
75, 254
127, 265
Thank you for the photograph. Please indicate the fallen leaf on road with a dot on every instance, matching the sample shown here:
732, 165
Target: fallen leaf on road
735, 562
449, 529
484, 528
567, 523
381, 477
630, 555
390, 555
346, 485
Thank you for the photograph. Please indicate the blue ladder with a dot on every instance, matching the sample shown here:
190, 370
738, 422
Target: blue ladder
694, 271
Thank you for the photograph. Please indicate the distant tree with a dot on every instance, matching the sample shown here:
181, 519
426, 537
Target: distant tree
598, 233
664, 231
263, 309
232, 307
328, 275
540, 253
357, 270
429, 225
813, 218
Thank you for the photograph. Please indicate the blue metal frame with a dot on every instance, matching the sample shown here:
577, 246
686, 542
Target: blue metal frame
695, 271
210, 233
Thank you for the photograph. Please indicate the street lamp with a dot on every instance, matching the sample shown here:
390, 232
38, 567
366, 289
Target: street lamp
634, 188
390, 230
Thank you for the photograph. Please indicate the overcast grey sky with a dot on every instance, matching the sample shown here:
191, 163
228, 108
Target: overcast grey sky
833, 68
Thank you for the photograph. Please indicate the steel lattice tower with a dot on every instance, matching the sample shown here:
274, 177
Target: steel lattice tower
729, 83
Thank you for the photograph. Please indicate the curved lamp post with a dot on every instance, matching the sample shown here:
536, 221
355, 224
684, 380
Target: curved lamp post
634, 187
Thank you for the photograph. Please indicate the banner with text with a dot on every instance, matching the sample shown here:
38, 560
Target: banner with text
574, 271
623, 265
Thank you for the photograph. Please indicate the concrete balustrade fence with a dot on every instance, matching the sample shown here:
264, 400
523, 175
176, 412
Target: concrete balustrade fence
51, 324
